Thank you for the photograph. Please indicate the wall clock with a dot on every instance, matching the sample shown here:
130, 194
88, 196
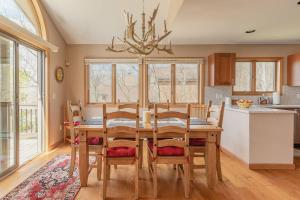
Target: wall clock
59, 74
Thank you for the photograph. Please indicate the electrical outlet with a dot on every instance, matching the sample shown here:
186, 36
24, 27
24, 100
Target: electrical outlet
298, 96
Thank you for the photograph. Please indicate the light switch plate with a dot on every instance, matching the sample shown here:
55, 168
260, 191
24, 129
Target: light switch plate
298, 96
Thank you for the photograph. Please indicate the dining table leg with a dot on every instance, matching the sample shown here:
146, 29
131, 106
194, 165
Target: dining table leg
83, 158
211, 159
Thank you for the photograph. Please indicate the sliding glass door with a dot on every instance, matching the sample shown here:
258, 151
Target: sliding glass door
8, 104
30, 102
21, 103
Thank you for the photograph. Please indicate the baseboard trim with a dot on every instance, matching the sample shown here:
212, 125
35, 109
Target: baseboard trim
257, 166
272, 166
53, 146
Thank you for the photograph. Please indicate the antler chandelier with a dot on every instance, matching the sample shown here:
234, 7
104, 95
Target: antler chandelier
145, 43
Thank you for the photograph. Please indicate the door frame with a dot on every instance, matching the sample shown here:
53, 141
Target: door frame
44, 89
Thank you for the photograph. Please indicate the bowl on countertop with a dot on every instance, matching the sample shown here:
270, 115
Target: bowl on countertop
244, 104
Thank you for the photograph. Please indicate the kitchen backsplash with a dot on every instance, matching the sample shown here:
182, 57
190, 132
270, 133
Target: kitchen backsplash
291, 95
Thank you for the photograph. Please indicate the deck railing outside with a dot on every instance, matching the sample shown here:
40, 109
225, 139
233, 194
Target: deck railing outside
28, 120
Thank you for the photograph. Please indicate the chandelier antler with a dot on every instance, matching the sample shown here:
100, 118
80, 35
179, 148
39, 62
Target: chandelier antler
147, 42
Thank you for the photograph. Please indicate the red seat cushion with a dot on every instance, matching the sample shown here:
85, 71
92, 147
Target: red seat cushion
168, 150
197, 141
121, 152
91, 141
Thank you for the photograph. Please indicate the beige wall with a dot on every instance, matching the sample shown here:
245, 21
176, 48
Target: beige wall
77, 53
57, 96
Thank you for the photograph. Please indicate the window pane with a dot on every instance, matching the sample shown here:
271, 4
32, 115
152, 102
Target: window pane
187, 83
265, 76
11, 10
100, 83
127, 82
159, 77
243, 76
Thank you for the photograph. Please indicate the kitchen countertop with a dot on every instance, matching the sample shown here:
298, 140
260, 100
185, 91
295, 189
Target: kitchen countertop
284, 106
262, 109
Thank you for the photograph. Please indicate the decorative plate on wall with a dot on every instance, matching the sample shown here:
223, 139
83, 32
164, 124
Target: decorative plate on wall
59, 74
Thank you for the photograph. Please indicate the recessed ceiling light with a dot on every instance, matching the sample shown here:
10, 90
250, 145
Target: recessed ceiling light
250, 31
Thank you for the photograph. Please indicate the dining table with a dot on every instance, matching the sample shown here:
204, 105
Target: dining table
198, 129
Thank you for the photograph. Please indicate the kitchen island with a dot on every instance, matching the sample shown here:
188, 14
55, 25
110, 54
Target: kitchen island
262, 138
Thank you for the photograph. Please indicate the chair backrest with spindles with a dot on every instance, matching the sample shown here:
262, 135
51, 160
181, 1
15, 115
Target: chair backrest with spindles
164, 106
113, 131
74, 116
201, 111
179, 133
217, 114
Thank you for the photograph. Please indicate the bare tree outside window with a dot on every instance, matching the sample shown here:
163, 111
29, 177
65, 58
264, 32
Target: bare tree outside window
127, 82
11, 10
100, 83
265, 76
243, 74
187, 83
255, 77
159, 77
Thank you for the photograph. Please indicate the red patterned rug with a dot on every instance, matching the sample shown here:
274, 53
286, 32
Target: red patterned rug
50, 182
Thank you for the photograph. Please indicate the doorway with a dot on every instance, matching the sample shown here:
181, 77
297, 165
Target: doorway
21, 103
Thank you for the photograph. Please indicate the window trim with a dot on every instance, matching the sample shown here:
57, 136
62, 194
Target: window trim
113, 63
278, 75
143, 78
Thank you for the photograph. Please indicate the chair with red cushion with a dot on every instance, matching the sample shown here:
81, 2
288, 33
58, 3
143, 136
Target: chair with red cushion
172, 147
95, 143
131, 108
214, 115
124, 150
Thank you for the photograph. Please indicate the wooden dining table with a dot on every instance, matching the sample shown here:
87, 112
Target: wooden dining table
209, 132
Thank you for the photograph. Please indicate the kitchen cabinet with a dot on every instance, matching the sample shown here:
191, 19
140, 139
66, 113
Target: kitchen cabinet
293, 70
221, 69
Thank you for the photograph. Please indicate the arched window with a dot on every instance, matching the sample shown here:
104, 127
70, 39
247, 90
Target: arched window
21, 12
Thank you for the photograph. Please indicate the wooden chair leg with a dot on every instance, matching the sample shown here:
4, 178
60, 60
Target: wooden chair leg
155, 180
149, 163
104, 188
108, 171
191, 166
65, 134
186, 180
99, 164
219, 169
141, 157
73, 160
137, 169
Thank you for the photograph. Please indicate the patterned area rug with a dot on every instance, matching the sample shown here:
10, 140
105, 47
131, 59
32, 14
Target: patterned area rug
49, 182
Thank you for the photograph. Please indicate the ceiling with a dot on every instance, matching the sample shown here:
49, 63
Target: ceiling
192, 21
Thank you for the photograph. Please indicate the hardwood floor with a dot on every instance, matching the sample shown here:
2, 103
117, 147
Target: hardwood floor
239, 182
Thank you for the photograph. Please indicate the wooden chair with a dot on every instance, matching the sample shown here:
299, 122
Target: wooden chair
122, 151
132, 107
201, 111
170, 151
198, 146
95, 143
165, 106
77, 117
